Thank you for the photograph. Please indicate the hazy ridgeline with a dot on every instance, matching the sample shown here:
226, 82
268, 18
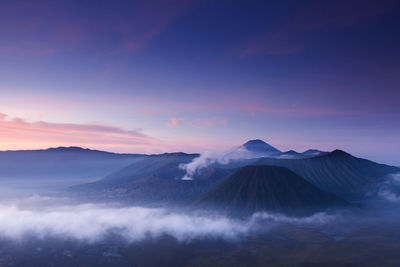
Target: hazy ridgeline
104, 222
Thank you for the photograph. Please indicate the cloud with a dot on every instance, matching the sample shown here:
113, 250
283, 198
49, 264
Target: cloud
395, 178
174, 122
18, 131
201, 123
43, 217
389, 195
92, 222
390, 189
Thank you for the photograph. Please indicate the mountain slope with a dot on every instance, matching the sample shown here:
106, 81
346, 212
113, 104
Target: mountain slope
154, 189
277, 189
337, 172
154, 179
164, 166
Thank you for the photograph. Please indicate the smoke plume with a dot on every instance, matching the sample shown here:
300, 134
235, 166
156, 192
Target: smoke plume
210, 157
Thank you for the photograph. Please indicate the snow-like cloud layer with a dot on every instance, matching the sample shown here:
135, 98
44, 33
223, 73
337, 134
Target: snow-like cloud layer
40, 217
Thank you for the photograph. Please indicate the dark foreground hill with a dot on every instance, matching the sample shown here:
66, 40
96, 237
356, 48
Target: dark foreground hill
337, 172
270, 188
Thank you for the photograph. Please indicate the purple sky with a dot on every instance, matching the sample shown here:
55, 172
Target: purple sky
155, 76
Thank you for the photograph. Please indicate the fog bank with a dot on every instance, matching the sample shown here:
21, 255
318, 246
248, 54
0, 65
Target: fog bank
43, 217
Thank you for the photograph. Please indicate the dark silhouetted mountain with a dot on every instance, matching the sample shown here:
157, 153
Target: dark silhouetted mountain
259, 146
337, 172
269, 188
62, 162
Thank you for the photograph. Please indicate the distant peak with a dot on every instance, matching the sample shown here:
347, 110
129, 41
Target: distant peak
291, 152
255, 141
339, 152
174, 154
258, 145
65, 148
335, 153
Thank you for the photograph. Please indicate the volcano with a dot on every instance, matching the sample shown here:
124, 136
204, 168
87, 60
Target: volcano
269, 188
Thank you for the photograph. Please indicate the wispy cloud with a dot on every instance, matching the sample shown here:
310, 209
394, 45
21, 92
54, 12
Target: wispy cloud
17, 131
174, 122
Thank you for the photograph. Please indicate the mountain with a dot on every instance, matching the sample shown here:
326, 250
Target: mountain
164, 166
156, 178
62, 162
312, 152
260, 147
256, 188
337, 172
156, 190
291, 154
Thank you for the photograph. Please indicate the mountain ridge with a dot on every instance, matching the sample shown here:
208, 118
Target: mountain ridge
337, 172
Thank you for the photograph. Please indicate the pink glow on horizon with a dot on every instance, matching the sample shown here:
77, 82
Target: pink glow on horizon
18, 133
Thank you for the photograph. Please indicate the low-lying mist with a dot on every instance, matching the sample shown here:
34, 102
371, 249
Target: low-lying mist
390, 189
42, 217
51, 217
62, 217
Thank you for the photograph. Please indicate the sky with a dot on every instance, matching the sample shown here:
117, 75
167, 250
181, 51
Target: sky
157, 75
